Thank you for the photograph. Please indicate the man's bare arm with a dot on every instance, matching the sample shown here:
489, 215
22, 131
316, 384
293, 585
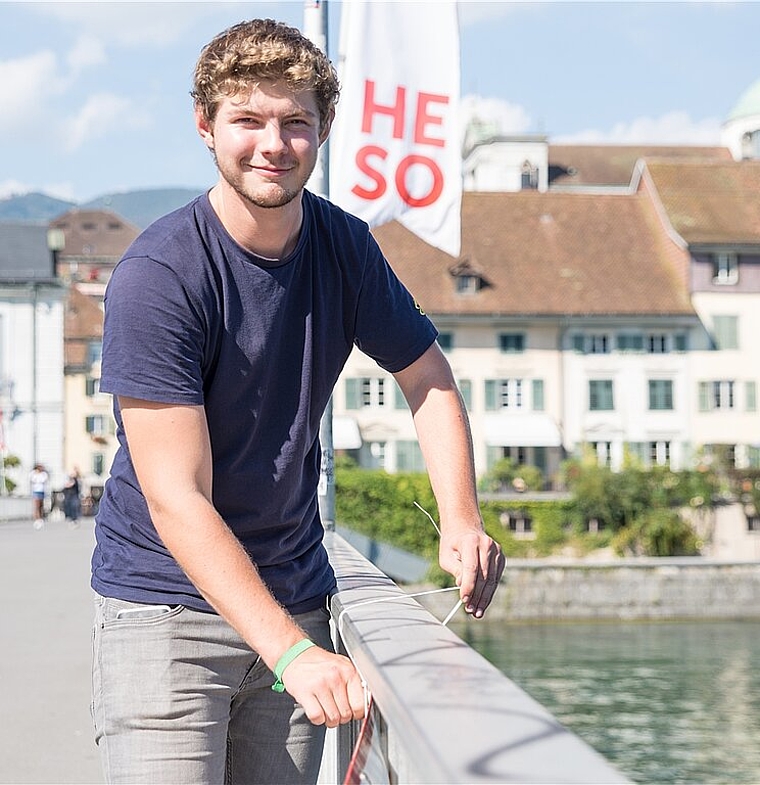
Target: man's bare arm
171, 453
440, 418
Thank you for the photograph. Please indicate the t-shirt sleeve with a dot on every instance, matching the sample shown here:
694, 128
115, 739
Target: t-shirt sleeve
152, 336
391, 327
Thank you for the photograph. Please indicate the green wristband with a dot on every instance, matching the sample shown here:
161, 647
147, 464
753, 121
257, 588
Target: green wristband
286, 659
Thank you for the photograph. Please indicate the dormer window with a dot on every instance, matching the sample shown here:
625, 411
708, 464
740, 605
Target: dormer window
467, 279
725, 268
529, 177
468, 283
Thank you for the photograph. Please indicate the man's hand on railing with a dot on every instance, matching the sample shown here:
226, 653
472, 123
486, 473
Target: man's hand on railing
476, 562
327, 685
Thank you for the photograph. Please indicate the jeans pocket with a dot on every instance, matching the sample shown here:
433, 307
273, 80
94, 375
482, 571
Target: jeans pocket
122, 612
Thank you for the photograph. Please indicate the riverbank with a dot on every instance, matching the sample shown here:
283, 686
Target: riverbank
622, 590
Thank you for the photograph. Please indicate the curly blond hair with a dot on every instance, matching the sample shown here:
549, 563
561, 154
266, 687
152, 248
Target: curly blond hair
262, 49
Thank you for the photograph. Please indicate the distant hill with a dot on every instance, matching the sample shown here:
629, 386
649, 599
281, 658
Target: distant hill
138, 207
143, 207
34, 207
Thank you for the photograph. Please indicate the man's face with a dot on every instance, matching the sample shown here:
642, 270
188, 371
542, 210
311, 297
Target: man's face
265, 143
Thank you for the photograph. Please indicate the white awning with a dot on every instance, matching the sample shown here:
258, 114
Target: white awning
521, 430
346, 435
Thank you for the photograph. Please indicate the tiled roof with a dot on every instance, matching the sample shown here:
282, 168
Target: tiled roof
545, 254
612, 165
95, 233
710, 202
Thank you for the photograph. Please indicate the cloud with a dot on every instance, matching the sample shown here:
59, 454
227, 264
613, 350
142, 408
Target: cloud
101, 114
26, 86
495, 115
671, 128
85, 53
499, 117
141, 24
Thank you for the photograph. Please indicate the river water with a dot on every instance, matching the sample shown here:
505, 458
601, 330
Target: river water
663, 702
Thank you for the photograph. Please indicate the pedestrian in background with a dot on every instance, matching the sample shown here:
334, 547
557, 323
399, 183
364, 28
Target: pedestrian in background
38, 482
72, 501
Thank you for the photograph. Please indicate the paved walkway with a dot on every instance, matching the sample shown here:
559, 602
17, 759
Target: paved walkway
45, 619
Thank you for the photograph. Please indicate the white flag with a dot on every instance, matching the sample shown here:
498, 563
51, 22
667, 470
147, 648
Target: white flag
394, 148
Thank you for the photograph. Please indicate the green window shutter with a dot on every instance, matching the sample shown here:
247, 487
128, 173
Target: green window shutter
409, 457
491, 395
704, 396
538, 395
750, 396
465, 388
399, 401
578, 343
491, 398
353, 393
726, 332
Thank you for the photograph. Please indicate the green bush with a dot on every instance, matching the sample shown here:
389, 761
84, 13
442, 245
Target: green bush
506, 475
660, 532
10, 462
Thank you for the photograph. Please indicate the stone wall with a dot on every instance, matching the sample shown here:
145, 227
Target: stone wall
625, 589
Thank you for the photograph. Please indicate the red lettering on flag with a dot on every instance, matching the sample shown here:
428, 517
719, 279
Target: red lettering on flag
371, 108
422, 118
362, 161
435, 171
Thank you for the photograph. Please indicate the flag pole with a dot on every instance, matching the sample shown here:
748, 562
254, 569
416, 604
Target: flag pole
315, 29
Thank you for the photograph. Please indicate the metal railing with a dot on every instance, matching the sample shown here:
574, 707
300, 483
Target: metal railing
444, 713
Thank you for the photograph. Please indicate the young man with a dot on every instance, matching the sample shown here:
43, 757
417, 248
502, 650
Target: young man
227, 325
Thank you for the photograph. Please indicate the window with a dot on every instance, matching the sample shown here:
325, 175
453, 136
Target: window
446, 341
377, 455
94, 352
600, 395
98, 463
598, 344
538, 394
504, 394
680, 342
716, 395
726, 332
660, 394
630, 342
725, 268
657, 344
594, 343
409, 457
465, 388
365, 392
603, 452
528, 176
517, 521
468, 283
97, 424
91, 386
512, 342
659, 453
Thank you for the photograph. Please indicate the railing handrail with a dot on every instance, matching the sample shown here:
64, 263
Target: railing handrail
451, 716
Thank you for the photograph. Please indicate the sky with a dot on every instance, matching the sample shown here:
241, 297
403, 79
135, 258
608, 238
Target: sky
94, 97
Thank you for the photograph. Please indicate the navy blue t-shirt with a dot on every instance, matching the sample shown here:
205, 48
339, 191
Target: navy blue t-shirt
193, 318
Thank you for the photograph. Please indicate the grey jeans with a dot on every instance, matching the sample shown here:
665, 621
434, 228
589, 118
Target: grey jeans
179, 697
